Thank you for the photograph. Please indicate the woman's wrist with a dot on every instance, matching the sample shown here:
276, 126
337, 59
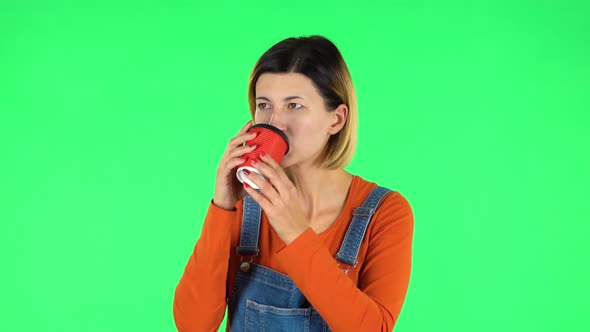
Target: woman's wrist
224, 206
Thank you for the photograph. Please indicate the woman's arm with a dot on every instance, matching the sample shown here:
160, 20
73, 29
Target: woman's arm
377, 301
200, 297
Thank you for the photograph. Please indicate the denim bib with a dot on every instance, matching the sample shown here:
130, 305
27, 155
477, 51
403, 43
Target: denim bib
266, 300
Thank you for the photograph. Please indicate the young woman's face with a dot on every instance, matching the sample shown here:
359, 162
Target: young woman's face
290, 102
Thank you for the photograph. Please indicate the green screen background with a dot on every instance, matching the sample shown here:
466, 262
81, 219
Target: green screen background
114, 115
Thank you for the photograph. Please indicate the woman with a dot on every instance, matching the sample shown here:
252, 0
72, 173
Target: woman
317, 248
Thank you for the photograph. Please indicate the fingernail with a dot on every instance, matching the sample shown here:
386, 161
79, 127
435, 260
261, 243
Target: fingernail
244, 158
253, 146
246, 171
246, 185
262, 153
254, 161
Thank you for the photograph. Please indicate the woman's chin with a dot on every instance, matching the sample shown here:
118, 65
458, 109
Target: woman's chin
285, 161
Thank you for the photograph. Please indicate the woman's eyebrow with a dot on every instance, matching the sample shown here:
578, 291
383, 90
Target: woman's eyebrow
286, 99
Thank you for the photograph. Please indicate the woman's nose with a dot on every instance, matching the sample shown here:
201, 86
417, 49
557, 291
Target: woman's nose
278, 119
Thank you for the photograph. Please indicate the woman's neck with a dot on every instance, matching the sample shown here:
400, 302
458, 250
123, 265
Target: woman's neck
318, 188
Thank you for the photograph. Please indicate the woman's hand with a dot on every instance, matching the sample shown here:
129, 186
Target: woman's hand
228, 189
278, 198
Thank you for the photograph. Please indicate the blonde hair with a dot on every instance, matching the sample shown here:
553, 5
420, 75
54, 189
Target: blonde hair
320, 60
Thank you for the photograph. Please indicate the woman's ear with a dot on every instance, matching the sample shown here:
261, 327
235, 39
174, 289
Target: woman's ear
339, 117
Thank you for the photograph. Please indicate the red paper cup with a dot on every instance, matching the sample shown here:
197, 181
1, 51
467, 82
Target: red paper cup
271, 140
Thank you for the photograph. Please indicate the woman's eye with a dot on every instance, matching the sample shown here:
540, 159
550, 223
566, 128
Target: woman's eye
262, 106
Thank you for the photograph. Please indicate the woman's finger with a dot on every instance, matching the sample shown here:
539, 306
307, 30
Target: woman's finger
274, 173
245, 127
274, 165
239, 151
260, 198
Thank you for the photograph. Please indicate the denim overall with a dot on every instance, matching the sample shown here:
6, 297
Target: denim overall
266, 300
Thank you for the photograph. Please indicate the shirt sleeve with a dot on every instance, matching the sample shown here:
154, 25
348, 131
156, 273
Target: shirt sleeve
200, 296
383, 280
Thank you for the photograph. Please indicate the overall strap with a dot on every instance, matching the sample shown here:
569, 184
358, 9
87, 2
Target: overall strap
250, 228
358, 226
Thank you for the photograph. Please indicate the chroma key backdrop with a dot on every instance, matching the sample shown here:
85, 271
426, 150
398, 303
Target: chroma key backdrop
114, 116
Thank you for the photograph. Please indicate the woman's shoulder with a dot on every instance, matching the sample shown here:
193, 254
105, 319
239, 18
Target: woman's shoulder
364, 187
394, 210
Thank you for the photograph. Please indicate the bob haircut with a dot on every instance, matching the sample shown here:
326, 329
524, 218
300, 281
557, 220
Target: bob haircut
320, 60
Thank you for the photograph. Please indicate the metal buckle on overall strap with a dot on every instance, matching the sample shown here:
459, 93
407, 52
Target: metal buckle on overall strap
245, 266
363, 212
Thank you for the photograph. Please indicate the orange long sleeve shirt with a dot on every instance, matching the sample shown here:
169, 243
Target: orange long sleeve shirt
369, 299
